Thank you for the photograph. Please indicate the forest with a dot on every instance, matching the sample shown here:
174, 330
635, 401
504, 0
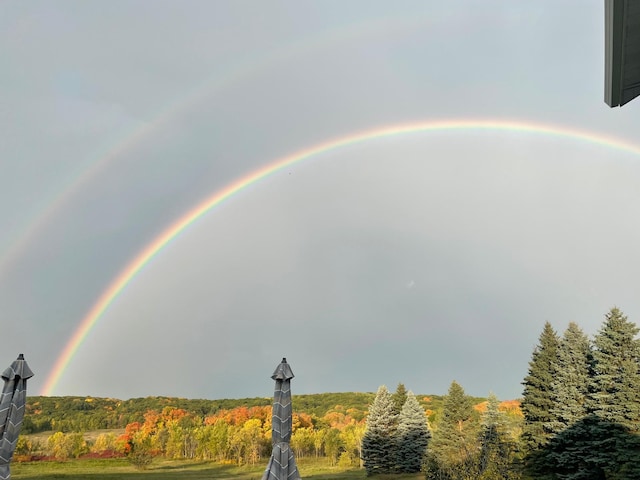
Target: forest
578, 418
321, 415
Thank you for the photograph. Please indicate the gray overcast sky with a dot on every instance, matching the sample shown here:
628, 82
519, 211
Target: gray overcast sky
421, 258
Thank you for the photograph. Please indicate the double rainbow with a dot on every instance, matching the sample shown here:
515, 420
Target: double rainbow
144, 256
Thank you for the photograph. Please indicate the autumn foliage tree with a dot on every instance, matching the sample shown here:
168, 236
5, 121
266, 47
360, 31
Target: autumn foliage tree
243, 434
67, 445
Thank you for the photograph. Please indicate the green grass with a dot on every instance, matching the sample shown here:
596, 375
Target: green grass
120, 469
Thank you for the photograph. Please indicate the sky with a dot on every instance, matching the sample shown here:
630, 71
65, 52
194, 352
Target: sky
423, 257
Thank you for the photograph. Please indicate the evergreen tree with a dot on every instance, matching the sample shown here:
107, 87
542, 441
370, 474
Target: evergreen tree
452, 451
378, 443
609, 437
399, 397
593, 449
571, 386
412, 437
604, 442
538, 400
573, 375
616, 380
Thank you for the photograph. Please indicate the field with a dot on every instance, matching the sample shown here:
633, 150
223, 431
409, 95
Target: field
113, 469
120, 469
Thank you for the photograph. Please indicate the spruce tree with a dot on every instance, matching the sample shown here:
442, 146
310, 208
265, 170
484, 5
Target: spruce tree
616, 380
497, 450
538, 400
399, 397
573, 375
452, 450
611, 436
378, 443
571, 386
412, 437
592, 449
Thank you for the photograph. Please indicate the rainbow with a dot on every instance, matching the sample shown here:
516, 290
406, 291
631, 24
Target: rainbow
144, 256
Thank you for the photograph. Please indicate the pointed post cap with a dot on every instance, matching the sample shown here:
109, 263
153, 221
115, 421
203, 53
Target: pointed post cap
18, 368
283, 371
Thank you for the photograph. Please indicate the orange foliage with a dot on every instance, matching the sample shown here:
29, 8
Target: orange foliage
480, 407
239, 415
172, 413
235, 416
126, 439
509, 406
334, 419
151, 419
339, 420
153, 422
261, 413
132, 428
211, 420
300, 420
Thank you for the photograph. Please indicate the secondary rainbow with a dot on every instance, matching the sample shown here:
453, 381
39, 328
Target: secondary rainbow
144, 256
210, 86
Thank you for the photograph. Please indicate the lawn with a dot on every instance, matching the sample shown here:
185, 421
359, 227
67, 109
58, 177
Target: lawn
120, 469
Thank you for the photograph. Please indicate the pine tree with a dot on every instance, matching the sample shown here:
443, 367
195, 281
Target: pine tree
573, 375
412, 437
378, 443
538, 401
452, 451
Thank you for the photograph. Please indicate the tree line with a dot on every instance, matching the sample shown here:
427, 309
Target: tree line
242, 434
581, 403
239, 434
578, 418
396, 435
469, 441
82, 414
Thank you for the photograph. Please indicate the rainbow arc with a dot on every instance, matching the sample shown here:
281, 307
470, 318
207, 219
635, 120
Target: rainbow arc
126, 276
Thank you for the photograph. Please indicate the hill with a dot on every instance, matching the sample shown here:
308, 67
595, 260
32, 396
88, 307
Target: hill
78, 414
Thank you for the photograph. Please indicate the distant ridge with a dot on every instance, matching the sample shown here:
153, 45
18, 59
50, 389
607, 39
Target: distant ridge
79, 414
